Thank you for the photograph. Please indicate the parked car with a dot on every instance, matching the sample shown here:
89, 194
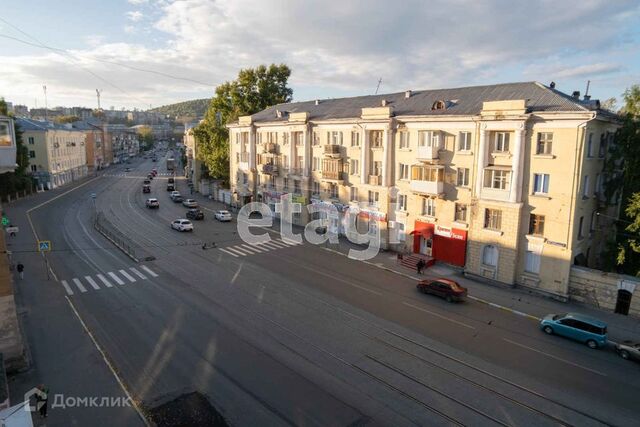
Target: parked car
176, 196
146, 189
127, 169
150, 176
171, 187
444, 288
628, 350
174, 193
190, 203
152, 203
171, 180
146, 182
195, 213
223, 216
588, 330
182, 225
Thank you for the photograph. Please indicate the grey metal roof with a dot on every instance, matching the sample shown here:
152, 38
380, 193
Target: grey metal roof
462, 101
38, 125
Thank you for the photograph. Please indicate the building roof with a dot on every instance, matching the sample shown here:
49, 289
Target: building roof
463, 101
38, 125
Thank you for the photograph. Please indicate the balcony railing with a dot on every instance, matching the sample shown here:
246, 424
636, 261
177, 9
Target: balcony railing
296, 171
270, 169
375, 179
270, 148
426, 152
426, 187
332, 175
331, 150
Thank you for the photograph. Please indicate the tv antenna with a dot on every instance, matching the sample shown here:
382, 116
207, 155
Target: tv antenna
98, 92
379, 83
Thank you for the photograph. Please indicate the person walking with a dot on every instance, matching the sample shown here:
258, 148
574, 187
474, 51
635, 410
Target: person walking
20, 269
42, 400
420, 265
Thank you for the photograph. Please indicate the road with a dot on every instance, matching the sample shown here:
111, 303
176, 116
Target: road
287, 334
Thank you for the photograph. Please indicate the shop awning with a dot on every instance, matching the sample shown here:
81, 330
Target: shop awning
427, 233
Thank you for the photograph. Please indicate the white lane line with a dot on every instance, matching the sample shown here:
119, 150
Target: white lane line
278, 244
242, 250
270, 245
438, 315
555, 357
248, 248
236, 250
66, 287
79, 285
290, 242
228, 252
92, 282
253, 248
105, 281
137, 273
127, 275
116, 278
148, 270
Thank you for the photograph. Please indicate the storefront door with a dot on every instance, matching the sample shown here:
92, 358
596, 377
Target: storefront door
426, 245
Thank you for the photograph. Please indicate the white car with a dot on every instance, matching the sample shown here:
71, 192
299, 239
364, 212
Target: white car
182, 225
190, 203
152, 203
224, 216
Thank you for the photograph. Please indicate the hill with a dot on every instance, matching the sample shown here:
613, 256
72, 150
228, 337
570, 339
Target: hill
194, 108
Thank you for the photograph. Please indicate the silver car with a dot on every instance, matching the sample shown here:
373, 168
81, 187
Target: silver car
628, 350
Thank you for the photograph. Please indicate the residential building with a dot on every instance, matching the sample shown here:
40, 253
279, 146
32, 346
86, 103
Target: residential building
8, 149
194, 166
488, 178
57, 153
121, 142
94, 144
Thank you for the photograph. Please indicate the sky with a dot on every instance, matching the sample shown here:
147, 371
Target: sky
142, 53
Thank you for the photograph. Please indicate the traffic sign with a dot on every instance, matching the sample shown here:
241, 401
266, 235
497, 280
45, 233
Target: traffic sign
5, 221
44, 245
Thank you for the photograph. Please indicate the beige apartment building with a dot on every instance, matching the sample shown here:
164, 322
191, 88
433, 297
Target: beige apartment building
57, 154
504, 181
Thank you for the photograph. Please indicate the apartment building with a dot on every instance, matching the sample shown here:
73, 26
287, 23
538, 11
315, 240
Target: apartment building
57, 153
94, 143
504, 181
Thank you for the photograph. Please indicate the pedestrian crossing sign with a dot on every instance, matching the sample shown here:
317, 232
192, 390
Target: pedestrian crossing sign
44, 245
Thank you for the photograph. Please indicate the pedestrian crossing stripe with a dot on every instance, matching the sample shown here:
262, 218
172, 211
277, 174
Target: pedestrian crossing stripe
244, 249
98, 279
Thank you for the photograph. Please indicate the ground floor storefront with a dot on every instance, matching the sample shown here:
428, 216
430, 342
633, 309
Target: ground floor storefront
445, 244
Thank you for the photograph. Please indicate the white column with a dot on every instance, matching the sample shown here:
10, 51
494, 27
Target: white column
517, 166
292, 152
364, 157
306, 140
252, 149
482, 158
386, 147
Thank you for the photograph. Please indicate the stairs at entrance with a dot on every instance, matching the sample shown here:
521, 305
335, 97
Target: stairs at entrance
411, 260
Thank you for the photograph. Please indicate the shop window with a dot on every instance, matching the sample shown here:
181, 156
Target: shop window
532, 262
490, 255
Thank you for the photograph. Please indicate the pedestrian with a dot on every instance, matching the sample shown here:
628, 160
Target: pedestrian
420, 265
42, 399
20, 269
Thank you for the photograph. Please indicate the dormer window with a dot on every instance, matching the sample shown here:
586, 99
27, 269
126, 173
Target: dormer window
439, 105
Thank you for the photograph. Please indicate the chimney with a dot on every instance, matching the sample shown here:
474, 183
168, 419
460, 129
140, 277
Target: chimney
552, 85
407, 94
317, 102
576, 94
586, 97
384, 102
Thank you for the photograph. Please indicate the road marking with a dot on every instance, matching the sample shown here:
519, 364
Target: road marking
148, 270
555, 357
137, 273
290, 242
92, 282
438, 315
236, 250
270, 245
79, 285
252, 248
105, 281
116, 278
66, 287
127, 275
228, 252
278, 244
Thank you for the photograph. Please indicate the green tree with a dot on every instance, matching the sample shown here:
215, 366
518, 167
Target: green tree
622, 170
145, 136
253, 90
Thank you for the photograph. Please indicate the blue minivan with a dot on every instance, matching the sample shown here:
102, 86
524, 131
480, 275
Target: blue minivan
588, 330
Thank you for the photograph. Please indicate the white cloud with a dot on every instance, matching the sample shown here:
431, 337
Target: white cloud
345, 47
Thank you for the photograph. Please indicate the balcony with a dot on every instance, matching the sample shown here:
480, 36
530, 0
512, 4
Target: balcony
332, 170
270, 148
427, 180
427, 153
331, 175
375, 179
270, 169
296, 171
488, 193
426, 187
332, 150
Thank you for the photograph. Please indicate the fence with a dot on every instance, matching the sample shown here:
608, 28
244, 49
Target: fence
118, 238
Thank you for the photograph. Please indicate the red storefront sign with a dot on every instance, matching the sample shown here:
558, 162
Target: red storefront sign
449, 244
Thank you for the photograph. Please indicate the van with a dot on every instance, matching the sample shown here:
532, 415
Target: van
585, 329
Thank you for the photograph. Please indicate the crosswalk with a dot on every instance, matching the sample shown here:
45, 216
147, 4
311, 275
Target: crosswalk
108, 280
245, 249
134, 175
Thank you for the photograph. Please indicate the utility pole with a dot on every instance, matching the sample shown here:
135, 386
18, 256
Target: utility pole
379, 83
586, 92
98, 91
44, 88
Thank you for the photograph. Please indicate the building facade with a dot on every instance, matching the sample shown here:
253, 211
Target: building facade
57, 153
504, 181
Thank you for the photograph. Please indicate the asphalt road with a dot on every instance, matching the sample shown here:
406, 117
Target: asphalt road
289, 334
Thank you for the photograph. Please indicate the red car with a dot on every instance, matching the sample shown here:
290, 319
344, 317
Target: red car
444, 288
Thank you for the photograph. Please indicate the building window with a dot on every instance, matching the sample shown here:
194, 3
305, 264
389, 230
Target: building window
34, 168
272, 182
333, 191
285, 161
376, 168
464, 141
536, 225
429, 138
403, 171
463, 177
585, 186
602, 148
597, 186
594, 221
31, 140
531, 262
285, 184
375, 138
493, 219
590, 146
355, 139
461, 212
245, 178
296, 186
496, 178
402, 202
298, 138
373, 198
580, 228
32, 154
490, 255
429, 207
540, 183
316, 163
285, 138
403, 138
401, 234
545, 140
355, 166
316, 138
353, 196
334, 137
316, 188
501, 142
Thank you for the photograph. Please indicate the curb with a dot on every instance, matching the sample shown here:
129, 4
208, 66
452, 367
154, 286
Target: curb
480, 300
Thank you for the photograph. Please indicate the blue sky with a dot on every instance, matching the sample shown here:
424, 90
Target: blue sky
334, 47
